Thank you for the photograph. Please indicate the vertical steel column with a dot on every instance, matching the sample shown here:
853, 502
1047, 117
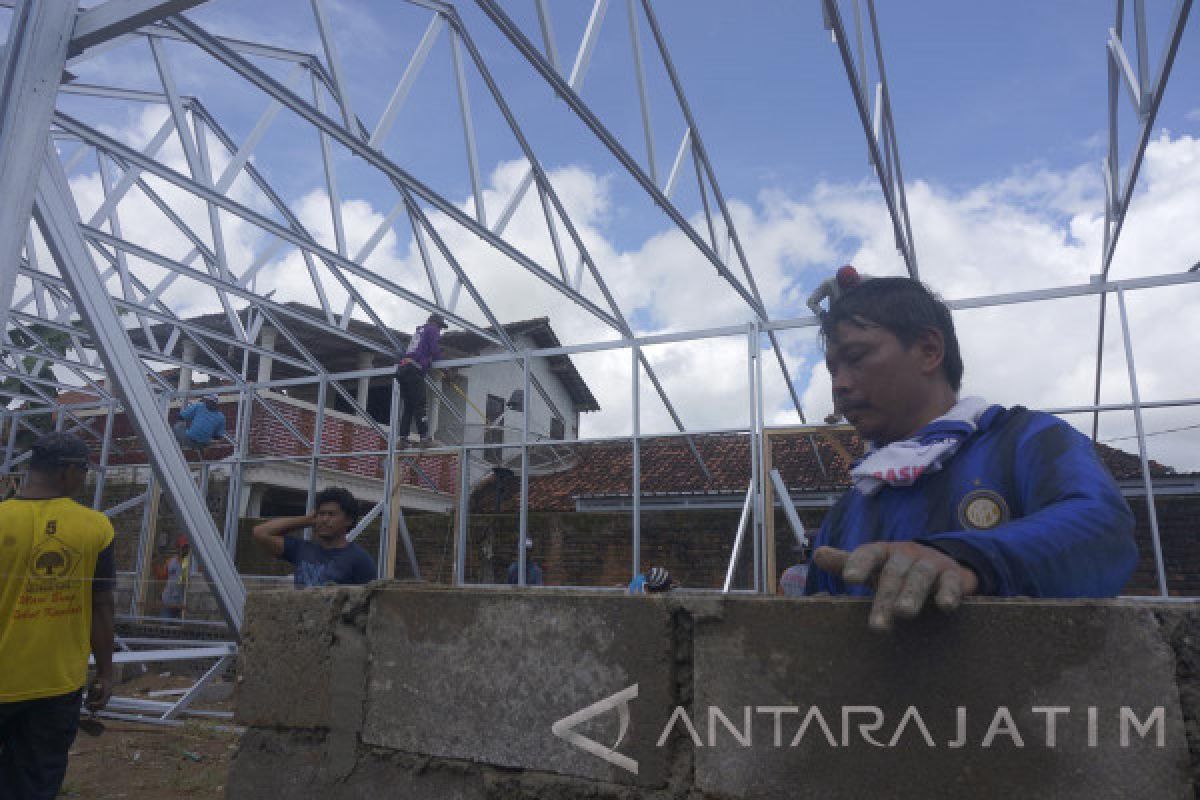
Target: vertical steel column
1099, 365
524, 533
150, 504
409, 549
8, 424
140, 567
1111, 198
757, 511
59, 221
1141, 435
32, 67
389, 482
13, 421
14, 425
635, 351
105, 446
464, 488
318, 431
764, 558
233, 499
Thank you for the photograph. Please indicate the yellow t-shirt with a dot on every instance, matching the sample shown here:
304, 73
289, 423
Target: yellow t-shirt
48, 551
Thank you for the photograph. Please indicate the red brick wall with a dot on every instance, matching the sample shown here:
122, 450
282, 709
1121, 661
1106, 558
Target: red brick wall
1179, 530
594, 549
269, 437
126, 447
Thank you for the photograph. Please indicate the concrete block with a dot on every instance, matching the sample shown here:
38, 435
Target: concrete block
286, 662
296, 765
483, 675
990, 658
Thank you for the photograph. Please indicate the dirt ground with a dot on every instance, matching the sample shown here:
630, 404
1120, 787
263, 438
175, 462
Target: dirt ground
151, 762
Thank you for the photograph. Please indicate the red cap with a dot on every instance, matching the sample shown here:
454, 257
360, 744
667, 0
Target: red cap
847, 276
182, 541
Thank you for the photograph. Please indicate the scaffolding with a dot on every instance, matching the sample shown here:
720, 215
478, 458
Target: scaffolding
100, 294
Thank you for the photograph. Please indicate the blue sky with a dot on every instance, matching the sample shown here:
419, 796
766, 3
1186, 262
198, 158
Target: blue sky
1001, 117
979, 90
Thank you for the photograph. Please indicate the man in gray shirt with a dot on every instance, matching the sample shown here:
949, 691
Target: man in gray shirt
833, 288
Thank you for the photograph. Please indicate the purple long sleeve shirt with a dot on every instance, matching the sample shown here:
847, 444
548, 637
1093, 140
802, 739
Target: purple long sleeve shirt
423, 347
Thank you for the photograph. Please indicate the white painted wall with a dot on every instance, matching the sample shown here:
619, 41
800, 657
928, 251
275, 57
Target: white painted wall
500, 379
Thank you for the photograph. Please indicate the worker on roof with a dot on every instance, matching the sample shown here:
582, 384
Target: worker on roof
833, 288
423, 350
200, 423
955, 496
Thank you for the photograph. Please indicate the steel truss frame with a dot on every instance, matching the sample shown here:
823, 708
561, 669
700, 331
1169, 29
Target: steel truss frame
133, 650
874, 106
89, 256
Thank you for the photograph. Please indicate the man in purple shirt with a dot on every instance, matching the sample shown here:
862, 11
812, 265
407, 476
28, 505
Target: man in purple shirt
410, 374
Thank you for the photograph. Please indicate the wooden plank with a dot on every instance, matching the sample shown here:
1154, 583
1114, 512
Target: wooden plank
393, 529
147, 576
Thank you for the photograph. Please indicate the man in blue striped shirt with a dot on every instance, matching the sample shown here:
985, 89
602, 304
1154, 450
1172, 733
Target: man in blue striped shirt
955, 497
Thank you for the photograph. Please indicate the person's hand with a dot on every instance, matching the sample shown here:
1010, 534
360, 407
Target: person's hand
99, 692
903, 574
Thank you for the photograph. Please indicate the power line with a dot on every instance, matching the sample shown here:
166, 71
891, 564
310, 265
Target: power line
1155, 433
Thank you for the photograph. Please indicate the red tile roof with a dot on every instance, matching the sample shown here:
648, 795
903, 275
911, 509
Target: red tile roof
605, 469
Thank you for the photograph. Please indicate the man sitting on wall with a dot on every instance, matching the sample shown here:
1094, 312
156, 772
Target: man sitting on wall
330, 558
533, 570
955, 497
795, 578
200, 423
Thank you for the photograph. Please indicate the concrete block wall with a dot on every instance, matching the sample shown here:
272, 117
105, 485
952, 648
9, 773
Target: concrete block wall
409, 692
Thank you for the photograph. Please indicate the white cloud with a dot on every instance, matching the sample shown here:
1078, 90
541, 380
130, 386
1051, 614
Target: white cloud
1039, 230
1036, 228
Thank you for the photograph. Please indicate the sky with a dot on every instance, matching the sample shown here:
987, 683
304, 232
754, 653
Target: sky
1000, 114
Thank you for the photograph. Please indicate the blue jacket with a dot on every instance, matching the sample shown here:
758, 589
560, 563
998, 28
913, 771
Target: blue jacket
203, 425
1025, 502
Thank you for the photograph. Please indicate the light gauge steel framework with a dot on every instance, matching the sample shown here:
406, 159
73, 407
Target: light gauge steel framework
94, 281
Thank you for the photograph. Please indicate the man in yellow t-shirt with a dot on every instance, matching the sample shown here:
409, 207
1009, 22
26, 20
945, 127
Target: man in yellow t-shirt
56, 606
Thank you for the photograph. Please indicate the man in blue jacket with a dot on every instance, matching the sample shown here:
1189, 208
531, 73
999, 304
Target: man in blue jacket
422, 351
200, 423
955, 497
